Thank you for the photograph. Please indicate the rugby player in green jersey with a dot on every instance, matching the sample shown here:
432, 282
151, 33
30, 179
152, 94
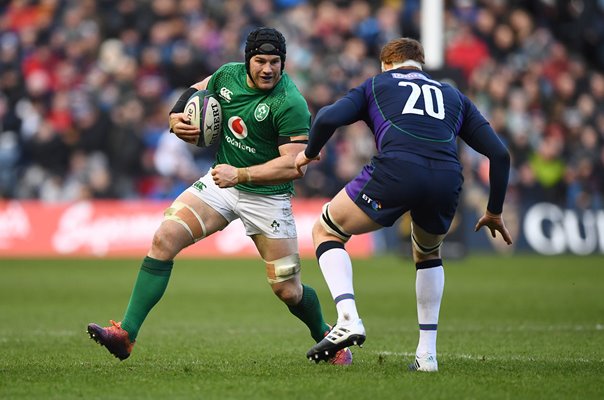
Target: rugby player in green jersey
265, 125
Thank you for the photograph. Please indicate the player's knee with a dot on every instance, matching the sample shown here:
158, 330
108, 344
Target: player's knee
283, 269
318, 232
329, 227
288, 292
426, 246
164, 245
421, 257
425, 252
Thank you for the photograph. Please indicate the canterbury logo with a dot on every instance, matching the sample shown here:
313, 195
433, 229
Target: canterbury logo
225, 94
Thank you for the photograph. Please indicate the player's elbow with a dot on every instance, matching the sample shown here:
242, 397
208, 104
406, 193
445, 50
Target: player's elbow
326, 120
501, 158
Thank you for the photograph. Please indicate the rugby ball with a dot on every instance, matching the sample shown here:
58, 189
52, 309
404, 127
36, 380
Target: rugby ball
204, 112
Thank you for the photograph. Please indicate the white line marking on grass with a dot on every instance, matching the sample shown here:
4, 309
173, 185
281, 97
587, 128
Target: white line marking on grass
485, 357
525, 328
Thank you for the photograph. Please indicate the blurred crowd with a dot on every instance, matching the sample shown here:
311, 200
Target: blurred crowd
86, 86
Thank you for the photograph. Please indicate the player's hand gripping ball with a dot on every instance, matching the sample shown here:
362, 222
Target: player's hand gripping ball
204, 112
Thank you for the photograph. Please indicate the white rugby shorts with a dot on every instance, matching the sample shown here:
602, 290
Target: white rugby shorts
268, 215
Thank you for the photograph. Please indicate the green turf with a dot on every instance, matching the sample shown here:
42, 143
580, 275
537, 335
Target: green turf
511, 328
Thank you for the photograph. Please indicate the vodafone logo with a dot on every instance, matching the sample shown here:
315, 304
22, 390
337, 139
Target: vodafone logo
238, 127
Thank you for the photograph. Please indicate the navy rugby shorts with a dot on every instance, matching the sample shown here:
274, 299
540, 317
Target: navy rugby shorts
390, 186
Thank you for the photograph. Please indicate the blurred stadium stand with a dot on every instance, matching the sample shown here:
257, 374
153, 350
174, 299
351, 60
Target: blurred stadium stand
85, 88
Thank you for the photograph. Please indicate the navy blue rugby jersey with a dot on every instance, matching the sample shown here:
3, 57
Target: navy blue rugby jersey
410, 114
415, 118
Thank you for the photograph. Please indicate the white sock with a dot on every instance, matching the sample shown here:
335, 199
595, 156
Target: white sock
429, 286
337, 270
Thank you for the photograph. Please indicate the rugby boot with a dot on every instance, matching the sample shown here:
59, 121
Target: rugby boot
340, 337
113, 337
342, 357
424, 363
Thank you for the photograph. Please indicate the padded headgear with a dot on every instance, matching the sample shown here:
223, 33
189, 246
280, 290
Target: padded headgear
264, 41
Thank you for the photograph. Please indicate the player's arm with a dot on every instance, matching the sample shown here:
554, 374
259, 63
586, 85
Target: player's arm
178, 121
281, 169
479, 135
344, 111
273, 172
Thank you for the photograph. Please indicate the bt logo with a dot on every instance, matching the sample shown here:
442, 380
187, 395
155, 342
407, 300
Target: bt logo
375, 204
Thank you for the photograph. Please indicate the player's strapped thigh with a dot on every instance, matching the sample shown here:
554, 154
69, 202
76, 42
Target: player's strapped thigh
282, 269
331, 226
424, 242
186, 216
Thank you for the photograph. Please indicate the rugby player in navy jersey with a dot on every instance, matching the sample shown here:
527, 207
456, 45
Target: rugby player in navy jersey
416, 121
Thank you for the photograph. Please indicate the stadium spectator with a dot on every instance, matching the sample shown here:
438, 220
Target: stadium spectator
550, 53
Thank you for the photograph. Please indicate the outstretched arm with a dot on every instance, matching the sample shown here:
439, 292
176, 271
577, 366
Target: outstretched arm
484, 140
329, 118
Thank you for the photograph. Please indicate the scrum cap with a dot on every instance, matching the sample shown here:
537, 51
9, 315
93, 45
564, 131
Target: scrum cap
264, 41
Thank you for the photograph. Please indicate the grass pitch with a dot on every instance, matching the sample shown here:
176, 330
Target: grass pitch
522, 327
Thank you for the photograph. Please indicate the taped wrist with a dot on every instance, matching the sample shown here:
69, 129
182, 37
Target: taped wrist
181, 103
244, 175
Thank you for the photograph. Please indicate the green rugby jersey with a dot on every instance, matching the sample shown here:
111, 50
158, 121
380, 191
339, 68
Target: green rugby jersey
253, 119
